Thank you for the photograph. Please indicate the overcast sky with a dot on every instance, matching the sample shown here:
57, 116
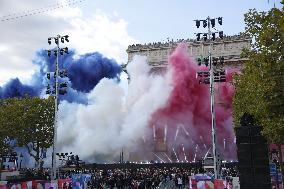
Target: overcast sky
107, 26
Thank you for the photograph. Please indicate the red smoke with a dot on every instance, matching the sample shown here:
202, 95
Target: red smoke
189, 105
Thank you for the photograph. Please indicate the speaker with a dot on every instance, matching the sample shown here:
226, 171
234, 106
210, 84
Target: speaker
252, 152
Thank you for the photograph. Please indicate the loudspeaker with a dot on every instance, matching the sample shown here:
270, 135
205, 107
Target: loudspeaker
252, 151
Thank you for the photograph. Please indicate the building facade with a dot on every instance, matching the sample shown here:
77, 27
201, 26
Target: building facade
230, 47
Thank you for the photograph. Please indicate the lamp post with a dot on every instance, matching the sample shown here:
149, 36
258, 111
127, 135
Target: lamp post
59, 88
214, 76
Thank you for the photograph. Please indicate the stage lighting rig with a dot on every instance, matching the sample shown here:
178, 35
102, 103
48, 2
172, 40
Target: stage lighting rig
209, 77
58, 89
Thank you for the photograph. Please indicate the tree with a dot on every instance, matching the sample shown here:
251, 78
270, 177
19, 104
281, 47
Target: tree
260, 86
29, 121
4, 147
6, 126
7, 108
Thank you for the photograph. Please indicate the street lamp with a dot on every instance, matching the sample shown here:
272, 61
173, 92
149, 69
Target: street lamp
209, 77
59, 88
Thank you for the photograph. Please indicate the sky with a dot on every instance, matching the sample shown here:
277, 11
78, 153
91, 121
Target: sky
106, 26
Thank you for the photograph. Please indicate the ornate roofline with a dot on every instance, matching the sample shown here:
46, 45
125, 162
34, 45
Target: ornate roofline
193, 42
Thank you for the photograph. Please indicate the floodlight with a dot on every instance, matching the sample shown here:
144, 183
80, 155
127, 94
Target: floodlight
213, 36
198, 36
221, 34
66, 38
213, 22
49, 41
197, 23
204, 23
220, 20
205, 37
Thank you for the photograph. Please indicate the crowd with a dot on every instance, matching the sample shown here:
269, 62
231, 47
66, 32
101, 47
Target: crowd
139, 178
131, 178
172, 42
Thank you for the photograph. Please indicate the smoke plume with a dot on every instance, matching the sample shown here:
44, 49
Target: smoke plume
84, 73
97, 118
188, 110
113, 119
173, 108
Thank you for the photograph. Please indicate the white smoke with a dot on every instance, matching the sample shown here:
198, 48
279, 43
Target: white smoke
114, 118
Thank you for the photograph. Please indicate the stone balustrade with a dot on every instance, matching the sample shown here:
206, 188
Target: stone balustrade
230, 47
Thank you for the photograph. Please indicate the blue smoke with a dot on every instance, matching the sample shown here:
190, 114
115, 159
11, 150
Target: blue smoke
14, 88
85, 78
84, 73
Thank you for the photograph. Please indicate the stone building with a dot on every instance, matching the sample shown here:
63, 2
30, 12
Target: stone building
157, 53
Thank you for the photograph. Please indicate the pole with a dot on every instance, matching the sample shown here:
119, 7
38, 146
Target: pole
55, 113
1, 165
122, 159
212, 94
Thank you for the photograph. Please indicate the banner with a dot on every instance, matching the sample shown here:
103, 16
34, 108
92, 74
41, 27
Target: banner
78, 181
34, 184
3, 184
27, 185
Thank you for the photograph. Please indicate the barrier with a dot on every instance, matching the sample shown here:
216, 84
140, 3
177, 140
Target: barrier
206, 182
37, 184
5, 174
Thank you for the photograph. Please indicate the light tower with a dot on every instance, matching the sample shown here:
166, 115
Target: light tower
215, 75
58, 89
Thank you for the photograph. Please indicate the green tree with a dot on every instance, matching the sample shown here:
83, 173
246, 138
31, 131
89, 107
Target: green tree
30, 121
4, 147
260, 86
7, 108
